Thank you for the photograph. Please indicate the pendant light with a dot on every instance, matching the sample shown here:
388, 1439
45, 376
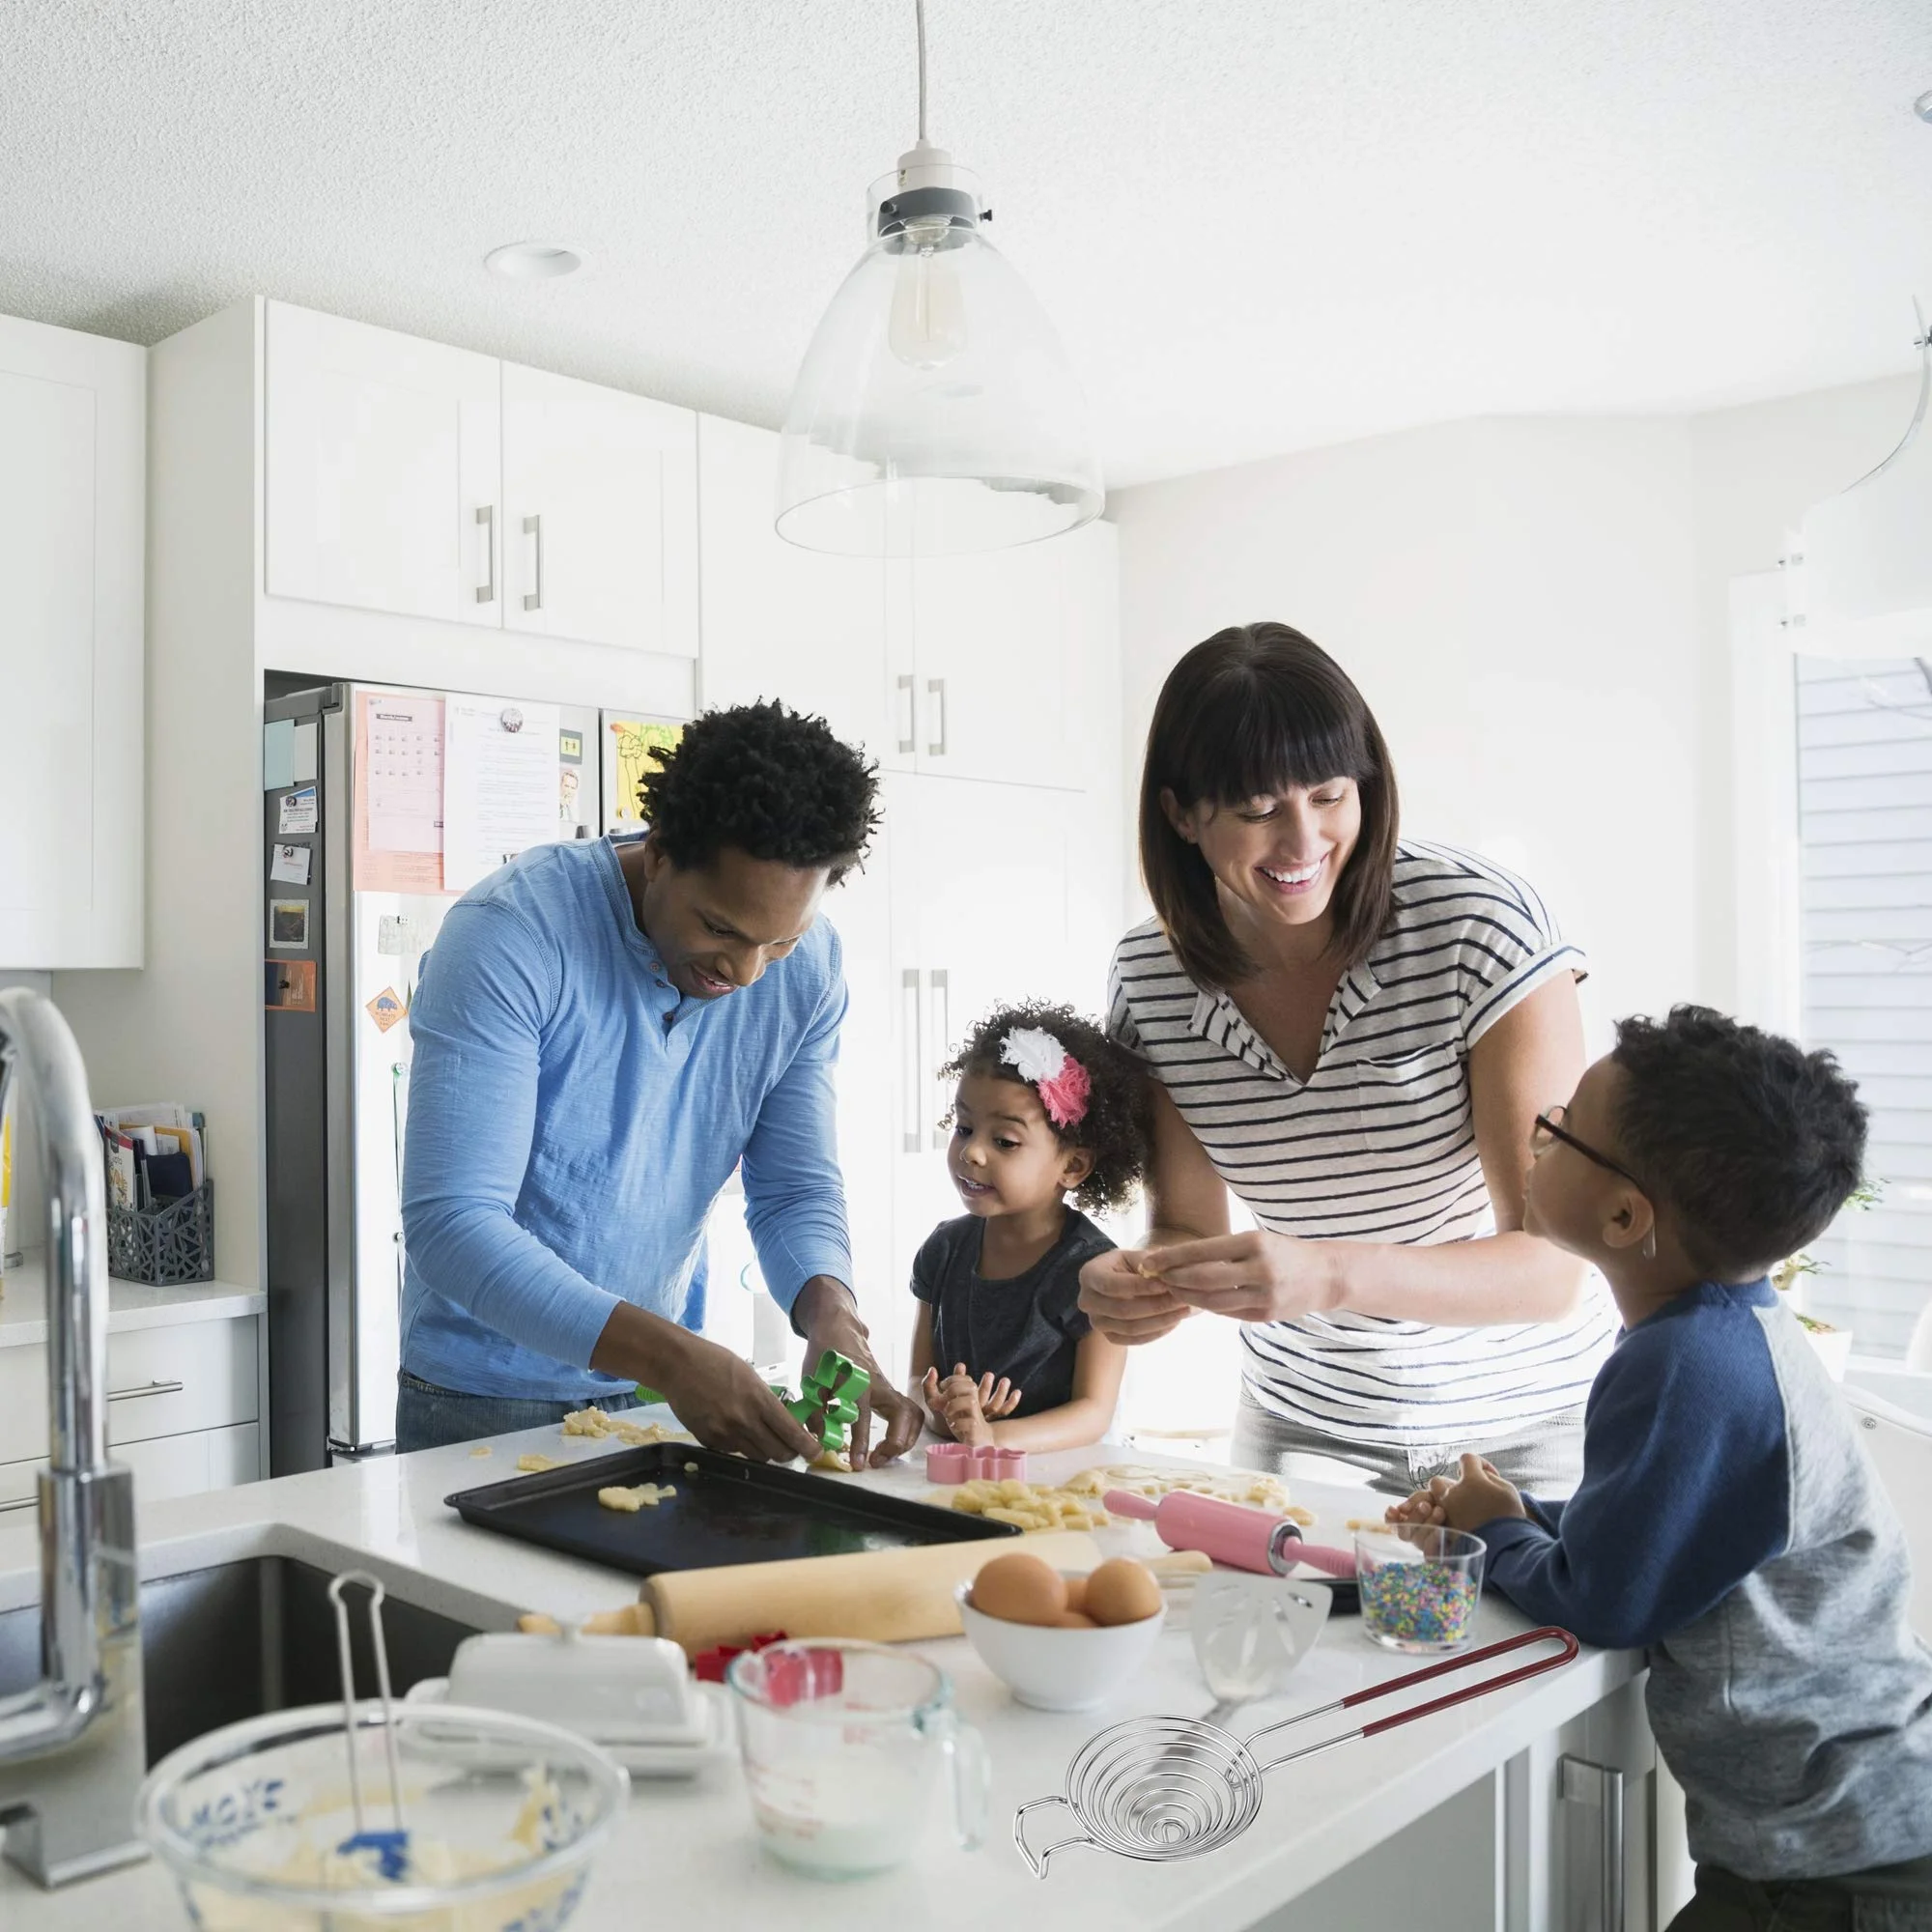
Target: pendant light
934, 413
1861, 567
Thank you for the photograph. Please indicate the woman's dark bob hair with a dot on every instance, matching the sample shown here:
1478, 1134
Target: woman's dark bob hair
1256, 710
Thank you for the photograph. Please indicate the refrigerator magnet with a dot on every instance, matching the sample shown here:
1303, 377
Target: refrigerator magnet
290, 865
298, 813
291, 986
386, 1009
288, 924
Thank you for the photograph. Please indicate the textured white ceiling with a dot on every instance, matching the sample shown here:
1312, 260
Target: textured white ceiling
1260, 224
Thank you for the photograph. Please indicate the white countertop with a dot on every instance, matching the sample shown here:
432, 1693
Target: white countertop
130, 1304
689, 1848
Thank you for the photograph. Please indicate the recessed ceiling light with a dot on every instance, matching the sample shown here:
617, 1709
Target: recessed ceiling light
534, 260
1922, 107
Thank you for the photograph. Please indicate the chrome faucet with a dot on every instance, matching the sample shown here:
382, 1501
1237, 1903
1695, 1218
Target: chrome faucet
72, 1749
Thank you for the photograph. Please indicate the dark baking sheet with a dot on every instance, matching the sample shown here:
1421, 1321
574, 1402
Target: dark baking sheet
726, 1511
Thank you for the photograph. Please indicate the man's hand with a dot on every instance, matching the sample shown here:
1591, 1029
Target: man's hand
1479, 1495
1122, 1304
714, 1393
828, 1318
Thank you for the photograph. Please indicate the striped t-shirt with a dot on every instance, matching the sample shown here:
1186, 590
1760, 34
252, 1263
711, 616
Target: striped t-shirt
1378, 1145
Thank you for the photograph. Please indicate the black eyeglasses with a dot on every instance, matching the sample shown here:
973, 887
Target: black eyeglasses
1548, 1128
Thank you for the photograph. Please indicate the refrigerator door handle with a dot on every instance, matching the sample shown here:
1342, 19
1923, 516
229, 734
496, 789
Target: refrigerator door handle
486, 515
533, 527
942, 1011
915, 1041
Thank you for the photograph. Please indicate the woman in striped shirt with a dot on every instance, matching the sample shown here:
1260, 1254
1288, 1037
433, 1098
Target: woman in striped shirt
1352, 1032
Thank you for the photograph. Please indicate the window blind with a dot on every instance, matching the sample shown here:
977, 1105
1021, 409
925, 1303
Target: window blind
1864, 805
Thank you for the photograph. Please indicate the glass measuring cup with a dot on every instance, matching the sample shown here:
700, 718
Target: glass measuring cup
840, 1742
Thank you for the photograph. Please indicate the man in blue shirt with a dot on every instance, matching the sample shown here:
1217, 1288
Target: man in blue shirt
604, 1031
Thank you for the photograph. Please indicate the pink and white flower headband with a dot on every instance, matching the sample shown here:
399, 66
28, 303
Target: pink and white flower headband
1051, 1072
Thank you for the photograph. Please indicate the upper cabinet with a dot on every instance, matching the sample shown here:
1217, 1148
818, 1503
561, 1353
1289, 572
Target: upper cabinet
600, 528
781, 621
424, 481
73, 412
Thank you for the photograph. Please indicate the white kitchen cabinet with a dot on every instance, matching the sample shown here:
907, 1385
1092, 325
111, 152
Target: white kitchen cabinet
424, 481
164, 1466
72, 412
383, 470
600, 531
781, 621
173, 1381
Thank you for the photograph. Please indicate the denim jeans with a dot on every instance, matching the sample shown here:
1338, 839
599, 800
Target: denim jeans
1888, 1898
428, 1418
1546, 1459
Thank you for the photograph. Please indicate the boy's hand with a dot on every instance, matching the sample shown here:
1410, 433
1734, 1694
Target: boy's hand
1425, 1505
1479, 1495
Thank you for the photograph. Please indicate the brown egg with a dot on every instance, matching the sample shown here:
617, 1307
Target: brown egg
1122, 1592
1020, 1590
1073, 1620
1076, 1594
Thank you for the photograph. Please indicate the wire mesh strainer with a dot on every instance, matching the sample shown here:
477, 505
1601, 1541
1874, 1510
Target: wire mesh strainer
1163, 1788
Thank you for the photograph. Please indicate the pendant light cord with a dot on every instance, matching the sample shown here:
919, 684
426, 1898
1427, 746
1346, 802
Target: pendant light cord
919, 15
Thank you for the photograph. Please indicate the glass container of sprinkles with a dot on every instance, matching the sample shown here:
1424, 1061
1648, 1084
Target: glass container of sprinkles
1419, 1586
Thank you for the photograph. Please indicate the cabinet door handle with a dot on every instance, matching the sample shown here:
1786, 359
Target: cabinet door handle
146, 1388
486, 515
25, 1503
911, 728
533, 527
915, 1045
942, 1014
1593, 1887
935, 688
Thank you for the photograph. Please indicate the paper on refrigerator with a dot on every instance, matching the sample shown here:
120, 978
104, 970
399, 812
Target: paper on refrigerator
500, 784
398, 838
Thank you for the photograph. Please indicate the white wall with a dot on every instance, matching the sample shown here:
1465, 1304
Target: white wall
1755, 471
1517, 600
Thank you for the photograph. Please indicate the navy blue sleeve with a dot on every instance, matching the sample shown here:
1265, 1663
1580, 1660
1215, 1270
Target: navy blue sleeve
932, 1263
1685, 1490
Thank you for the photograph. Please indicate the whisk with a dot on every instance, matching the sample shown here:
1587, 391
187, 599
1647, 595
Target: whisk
1164, 1788
391, 1847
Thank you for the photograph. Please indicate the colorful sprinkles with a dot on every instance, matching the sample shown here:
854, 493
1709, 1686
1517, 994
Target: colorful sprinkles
1413, 1600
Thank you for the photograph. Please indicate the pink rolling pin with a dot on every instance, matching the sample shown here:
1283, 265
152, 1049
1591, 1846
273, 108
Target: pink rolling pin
1231, 1533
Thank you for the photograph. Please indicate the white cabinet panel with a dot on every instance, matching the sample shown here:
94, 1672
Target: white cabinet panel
71, 486
169, 1466
161, 1381
600, 500
780, 621
382, 451
990, 663
979, 879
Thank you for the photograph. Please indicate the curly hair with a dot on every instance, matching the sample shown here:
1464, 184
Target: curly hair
771, 782
1118, 1127
1751, 1142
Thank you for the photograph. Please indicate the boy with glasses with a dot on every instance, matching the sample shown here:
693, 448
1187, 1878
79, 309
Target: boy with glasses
1728, 1518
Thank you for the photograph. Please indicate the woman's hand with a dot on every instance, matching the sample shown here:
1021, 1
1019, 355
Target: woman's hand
1122, 1304
1254, 1276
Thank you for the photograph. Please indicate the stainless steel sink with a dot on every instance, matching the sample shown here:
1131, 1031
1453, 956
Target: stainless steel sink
241, 1638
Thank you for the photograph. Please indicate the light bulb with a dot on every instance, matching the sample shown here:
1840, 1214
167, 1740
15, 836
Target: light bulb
926, 328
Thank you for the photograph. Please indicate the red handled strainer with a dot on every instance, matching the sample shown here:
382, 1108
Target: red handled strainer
1160, 1788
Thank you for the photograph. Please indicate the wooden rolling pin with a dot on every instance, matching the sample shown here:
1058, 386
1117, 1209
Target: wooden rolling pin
885, 1596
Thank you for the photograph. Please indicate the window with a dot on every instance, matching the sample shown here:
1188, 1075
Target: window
1864, 806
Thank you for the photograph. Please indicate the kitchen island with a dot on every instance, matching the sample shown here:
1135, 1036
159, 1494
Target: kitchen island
1457, 1814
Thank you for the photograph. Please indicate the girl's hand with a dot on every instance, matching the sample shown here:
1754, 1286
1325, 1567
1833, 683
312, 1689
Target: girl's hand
1424, 1506
935, 1404
1122, 1304
1254, 1276
971, 1407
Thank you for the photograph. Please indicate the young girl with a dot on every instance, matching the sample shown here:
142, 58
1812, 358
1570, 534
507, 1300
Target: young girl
1046, 1106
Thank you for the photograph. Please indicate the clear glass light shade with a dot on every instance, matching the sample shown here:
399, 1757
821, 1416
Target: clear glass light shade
936, 413
1868, 552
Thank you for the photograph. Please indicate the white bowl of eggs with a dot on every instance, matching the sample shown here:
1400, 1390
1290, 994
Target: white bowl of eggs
1058, 1640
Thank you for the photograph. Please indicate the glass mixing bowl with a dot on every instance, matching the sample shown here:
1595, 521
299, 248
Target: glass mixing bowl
502, 1815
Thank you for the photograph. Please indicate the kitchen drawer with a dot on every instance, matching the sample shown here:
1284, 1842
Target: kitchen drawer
169, 1466
161, 1381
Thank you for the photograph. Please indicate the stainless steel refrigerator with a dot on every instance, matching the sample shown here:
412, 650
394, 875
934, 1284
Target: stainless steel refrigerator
380, 807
